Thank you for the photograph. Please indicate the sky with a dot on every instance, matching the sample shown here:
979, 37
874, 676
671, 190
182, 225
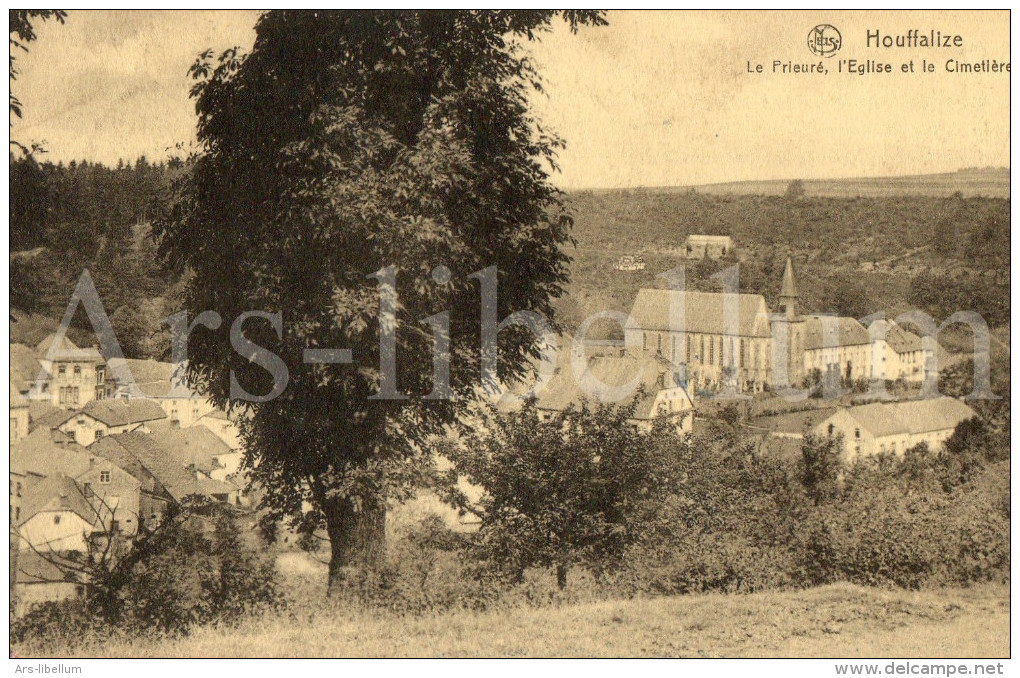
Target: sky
654, 99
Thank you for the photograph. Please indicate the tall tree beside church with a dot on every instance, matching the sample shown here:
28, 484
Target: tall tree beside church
343, 144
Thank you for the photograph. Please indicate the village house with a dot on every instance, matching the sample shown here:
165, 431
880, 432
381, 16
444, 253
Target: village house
161, 481
19, 415
897, 353
43, 453
57, 516
715, 349
28, 375
77, 375
894, 428
700, 246
200, 451
101, 418
219, 422
617, 379
160, 383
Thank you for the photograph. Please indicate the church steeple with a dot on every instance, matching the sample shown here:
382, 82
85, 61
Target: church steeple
788, 295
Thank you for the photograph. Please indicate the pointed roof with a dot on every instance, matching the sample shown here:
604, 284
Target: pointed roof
43, 347
789, 284
57, 493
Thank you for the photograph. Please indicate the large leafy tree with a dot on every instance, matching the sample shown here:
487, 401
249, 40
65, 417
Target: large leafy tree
345, 144
573, 489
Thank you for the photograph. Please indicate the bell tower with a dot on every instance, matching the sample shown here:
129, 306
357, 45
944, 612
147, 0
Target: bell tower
788, 334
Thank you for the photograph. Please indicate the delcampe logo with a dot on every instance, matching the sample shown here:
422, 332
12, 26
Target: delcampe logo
824, 40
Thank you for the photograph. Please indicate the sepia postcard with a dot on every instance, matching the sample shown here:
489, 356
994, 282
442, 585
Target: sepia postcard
510, 334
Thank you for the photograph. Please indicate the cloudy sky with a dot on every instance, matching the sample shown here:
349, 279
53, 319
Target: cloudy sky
654, 99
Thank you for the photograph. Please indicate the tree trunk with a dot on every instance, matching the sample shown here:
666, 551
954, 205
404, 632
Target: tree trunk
357, 540
561, 576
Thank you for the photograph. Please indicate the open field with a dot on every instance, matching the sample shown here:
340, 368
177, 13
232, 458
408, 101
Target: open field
987, 182
832, 621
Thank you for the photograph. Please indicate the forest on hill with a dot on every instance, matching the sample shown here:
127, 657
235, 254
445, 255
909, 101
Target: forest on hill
65, 219
854, 256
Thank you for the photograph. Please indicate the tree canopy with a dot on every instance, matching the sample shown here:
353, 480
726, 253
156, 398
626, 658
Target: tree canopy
353, 159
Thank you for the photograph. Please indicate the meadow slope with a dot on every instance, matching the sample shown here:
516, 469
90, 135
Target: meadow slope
832, 621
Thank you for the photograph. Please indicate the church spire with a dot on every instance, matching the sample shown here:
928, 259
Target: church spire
788, 295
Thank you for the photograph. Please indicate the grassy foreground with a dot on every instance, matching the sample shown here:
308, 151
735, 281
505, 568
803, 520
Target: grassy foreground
833, 621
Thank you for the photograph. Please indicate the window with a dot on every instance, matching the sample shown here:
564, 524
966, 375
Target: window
77, 370
17, 490
17, 513
100, 375
56, 520
99, 434
857, 433
711, 351
100, 392
688, 348
742, 354
104, 477
658, 348
62, 370
644, 341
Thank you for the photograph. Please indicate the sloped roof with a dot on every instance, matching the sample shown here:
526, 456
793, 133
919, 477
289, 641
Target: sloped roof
39, 454
25, 367
604, 373
67, 351
116, 412
829, 332
703, 312
46, 415
57, 493
881, 419
936, 414
43, 347
111, 449
156, 460
897, 338
149, 378
911, 416
192, 446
